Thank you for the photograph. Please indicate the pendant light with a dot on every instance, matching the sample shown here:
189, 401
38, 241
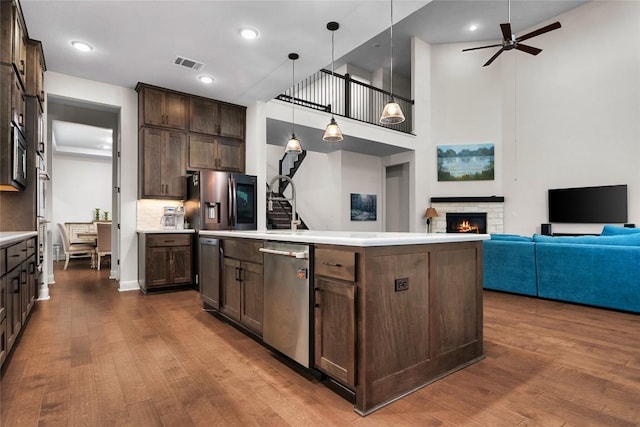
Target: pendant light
333, 132
293, 145
392, 113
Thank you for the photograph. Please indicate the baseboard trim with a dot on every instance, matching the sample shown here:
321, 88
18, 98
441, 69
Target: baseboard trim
129, 286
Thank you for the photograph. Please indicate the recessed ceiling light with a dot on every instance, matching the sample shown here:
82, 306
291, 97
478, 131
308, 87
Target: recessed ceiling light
248, 33
82, 46
473, 27
206, 79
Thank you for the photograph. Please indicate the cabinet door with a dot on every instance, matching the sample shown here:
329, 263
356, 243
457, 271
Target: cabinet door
181, 264
158, 267
203, 116
3, 298
14, 314
230, 155
3, 341
32, 285
18, 105
232, 121
230, 292
335, 329
252, 296
153, 106
152, 154
174, 171
19, 47
24, 292
202, 152
175, 110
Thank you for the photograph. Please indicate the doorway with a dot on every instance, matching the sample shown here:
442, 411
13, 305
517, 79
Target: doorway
397, 197
83, 140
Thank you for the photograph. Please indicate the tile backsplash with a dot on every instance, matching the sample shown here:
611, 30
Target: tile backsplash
149, 212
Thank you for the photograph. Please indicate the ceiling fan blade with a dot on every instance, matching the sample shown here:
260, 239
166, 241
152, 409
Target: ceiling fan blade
539, 31
493, 58
506, 31
529, 49
482, 47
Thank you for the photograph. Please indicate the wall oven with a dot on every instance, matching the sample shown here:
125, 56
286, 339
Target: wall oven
19, 159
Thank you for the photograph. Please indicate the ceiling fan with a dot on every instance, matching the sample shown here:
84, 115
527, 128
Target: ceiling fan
510, 41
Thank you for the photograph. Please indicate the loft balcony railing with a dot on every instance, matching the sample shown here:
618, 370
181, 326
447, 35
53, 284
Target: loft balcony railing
353, 99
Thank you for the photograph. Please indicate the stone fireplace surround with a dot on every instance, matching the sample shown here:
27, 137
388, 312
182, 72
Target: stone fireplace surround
493, 206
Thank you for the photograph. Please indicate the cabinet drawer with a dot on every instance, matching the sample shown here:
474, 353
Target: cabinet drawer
31, 247
246, 250
336, 264
169, 240
16, 254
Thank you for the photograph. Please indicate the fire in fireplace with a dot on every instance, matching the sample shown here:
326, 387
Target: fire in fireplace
467, 222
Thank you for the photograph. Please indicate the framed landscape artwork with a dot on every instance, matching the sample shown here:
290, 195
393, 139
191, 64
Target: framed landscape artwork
363, 207
467, 162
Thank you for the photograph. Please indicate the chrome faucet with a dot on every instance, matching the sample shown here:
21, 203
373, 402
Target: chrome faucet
294, 220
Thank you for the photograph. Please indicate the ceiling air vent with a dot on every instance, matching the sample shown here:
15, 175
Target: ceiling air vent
189, 63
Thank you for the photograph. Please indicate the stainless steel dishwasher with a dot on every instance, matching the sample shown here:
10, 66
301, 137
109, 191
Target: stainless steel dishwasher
285, 320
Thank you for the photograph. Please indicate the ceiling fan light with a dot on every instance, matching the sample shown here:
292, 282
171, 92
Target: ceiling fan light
332, 133
293, 145
392, 114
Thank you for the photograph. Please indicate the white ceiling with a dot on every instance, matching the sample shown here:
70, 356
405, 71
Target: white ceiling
76, 138
137, 41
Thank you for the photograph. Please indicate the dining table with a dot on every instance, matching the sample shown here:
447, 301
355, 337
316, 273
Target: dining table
92, 238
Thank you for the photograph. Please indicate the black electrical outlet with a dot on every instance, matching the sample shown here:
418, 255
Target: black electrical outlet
402, 284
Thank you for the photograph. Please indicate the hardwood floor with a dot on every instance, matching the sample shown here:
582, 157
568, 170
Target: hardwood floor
92, 356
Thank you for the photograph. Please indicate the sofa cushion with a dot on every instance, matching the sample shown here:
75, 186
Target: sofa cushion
616, 240
615, 230
511, 237
509, 266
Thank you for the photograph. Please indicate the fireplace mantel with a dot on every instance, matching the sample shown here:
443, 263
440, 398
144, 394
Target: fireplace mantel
489, 199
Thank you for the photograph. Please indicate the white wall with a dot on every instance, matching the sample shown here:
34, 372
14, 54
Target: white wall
126, 249
81, 184
568, 117
324, 184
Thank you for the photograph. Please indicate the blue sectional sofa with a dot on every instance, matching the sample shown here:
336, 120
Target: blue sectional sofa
601, 271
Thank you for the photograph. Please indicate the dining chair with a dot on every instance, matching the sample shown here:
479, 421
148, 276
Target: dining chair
103, 246
74, 250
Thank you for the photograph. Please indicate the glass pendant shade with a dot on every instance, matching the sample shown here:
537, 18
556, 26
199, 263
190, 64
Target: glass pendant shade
293, 145
332, 133
392, 114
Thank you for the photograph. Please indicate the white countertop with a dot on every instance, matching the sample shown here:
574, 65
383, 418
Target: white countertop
349, 238
8, 237
162, 231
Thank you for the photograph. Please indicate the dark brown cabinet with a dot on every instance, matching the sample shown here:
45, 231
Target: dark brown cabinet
216, 118
13, 43
165, 260
335, 314
35, 72
207, 152
18, 291
241, 296
162, 164
160, 107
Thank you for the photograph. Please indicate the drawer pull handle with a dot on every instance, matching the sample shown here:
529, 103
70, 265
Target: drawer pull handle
15, 256
332, 264
317, 305
169, 241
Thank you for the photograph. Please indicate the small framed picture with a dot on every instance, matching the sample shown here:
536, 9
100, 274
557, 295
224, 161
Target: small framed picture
364, 207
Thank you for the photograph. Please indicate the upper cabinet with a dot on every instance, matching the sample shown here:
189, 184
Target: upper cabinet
159, 107
35, 72
14, 39
216, 118
214, 132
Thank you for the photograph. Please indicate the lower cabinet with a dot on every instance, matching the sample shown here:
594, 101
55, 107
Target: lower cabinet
18, 291
335, 314
241, 295
165, 260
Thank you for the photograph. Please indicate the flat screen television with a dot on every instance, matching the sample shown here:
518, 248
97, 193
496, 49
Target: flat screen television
605, 204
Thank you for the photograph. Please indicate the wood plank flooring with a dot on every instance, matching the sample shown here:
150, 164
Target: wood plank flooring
92, 356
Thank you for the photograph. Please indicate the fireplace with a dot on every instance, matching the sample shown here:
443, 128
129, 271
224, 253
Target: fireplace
467, 222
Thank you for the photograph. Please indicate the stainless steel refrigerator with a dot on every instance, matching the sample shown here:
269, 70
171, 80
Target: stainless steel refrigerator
221, 201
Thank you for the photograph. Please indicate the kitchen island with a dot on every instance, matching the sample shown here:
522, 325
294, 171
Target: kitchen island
391, 312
